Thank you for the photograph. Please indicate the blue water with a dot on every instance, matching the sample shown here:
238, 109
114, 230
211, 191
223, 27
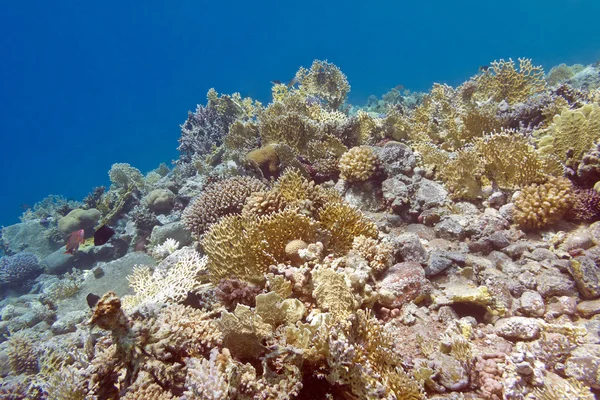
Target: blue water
87, 84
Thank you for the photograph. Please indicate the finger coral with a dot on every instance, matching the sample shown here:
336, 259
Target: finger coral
218, 200
358, 164
540, 205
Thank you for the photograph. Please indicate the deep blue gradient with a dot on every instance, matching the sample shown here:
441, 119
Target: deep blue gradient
87, 84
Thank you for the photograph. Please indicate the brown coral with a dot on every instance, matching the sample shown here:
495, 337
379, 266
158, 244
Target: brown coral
325, 81
22, 354
358, 164
218, 200
541, 205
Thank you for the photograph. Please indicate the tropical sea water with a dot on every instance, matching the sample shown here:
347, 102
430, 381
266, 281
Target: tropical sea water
88, 84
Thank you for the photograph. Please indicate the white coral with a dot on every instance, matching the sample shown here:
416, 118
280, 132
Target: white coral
165, 286
165, 249
205, 379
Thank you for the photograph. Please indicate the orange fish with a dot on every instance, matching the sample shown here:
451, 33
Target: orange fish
74, 241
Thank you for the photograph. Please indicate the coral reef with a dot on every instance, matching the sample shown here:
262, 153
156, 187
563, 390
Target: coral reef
18, 268
358, 164
538, 206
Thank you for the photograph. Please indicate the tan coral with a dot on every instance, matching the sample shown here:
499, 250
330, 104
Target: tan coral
380, 255
243, 332
358, 164
538, 206
325, 81
263, 203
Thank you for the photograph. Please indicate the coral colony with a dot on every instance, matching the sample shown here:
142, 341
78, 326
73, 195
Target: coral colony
440, 245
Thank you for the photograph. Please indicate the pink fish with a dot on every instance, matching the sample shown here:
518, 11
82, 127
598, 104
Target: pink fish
74, 241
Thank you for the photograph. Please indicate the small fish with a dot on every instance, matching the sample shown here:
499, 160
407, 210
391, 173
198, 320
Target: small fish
276, 82
484, 68
399, 87
103, 235
92, 300
74, 241
25, 206
292, 82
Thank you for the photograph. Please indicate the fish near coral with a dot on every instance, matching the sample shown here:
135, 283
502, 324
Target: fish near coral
75, 239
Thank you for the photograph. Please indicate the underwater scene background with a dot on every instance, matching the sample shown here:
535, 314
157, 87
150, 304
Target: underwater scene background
307, 201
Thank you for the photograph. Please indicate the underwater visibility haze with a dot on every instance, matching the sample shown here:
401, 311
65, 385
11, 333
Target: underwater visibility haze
309, 200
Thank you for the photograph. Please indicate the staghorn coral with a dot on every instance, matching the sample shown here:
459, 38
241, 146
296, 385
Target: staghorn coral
571, 134
18, 268
324, 81
206, 379
345, 223
503, 82
218, 200
540, 205
244, 247
143, 217
358, 164
585, 206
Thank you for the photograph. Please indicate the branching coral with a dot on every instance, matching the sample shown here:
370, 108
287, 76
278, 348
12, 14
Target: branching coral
200, 133
22, 354
503, 82
124, 176
358, 164
171, 286
218, 200
18, 268
538, 206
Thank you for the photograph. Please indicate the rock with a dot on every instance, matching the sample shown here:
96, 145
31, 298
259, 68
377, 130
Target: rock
581, 239
499, 240
518, 328
516, 250
451, 373
396, 158
395, 192
429, 194
404, 283
174, 230
160, 201
451, 228
554, 283
60, 262
366, 196
587, 277
589, 308
114, 279
584, 365
594, 230
532, 304
424, 232
561, 305
193, 187
78, 219
408, 247
438, 262
28, 236
461, 290
68, 322
540, 254
490, 222
496, 199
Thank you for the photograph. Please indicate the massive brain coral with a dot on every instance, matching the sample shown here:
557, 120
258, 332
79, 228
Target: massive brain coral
218, 200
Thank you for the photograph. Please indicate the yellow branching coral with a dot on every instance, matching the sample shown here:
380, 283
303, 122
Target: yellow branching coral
243, 247
462, 173
512, 162
345, 223
370, 129
234, 106
263, 203
538, 206
299, 192
325, 81
22, 354
380, 255
217, 200
503, 82
571, 134
358, 164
